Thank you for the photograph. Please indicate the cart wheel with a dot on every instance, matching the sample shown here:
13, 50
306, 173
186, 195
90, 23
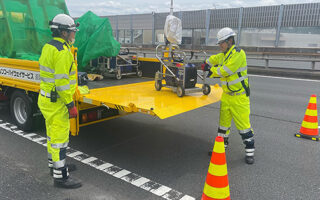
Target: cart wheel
158, 85
139, 73
180, 91
118, 74
206, 89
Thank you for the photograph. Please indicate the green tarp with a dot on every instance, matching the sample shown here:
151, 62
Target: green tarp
24, 26
24, 29
94, 39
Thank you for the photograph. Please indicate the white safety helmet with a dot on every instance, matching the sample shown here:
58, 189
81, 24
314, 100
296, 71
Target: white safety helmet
63, 22
224, 34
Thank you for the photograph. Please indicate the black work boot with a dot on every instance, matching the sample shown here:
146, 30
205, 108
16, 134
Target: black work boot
67, 183
249, 160
71, 168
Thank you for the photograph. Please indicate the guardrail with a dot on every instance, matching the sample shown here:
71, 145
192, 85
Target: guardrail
311, 58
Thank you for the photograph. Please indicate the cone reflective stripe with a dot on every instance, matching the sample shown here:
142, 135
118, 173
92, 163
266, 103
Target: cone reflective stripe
309, 127
217, 185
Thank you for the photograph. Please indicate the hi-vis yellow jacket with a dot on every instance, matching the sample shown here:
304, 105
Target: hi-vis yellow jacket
58, 69
231, 67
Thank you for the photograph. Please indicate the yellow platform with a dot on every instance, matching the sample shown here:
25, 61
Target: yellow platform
142, 97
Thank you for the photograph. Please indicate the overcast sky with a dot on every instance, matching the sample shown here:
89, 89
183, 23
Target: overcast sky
122, 7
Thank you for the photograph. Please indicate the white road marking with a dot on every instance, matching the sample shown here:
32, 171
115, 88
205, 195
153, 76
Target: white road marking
140, 181
89, 160
74, 154
28, 136
186, 197
104, 166
161, 190
39, 139
122, 174
278, 77
18, 132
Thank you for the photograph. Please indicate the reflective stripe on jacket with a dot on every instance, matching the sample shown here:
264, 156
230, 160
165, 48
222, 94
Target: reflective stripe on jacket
57, 69
228, 67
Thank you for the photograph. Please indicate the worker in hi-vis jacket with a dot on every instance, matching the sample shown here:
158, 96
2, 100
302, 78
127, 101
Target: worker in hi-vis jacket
58, 84
231, 67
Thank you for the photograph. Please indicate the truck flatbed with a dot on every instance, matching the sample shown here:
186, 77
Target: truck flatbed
140, 96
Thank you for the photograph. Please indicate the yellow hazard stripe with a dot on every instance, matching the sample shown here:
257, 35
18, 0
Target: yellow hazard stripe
313, 100
311, 112
119, 107
310, 125
216, 193
218, 147
218, 170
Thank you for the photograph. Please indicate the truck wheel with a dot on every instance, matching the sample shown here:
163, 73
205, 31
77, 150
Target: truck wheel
180, 91
206, 89
21, 110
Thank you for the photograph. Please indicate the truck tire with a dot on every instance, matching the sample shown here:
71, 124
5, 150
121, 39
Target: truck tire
21, 110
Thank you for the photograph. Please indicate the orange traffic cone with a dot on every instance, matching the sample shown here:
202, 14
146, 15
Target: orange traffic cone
217, 185
309, 126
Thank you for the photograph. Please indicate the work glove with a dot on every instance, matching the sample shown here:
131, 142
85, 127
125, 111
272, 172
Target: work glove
205, 67
73, 112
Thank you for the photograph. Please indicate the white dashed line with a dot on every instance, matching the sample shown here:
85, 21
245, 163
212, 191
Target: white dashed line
122, 173
161, 190
39, 139
28, 136
104, 166
89, 160
140, 181
108, 168
186, 197
74, 154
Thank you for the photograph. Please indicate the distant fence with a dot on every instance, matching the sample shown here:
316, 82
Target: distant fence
295, 25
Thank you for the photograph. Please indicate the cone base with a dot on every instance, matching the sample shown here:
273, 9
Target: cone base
299, 135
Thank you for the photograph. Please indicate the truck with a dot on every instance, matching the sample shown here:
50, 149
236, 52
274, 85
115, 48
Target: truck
20, 86
20, 45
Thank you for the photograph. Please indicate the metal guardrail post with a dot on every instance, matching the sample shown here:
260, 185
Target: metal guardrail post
267, 63
180, 15
117, 28
279, 25
313, 65
153, 29
131, 28
208, 15
239, 27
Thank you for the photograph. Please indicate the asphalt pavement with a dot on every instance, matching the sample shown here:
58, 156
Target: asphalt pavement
170, 155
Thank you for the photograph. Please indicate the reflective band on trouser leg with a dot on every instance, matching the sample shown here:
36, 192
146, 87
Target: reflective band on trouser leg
59, 146
224, 132
50, 163
225, 120
61, 173
248, 140
59, 157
